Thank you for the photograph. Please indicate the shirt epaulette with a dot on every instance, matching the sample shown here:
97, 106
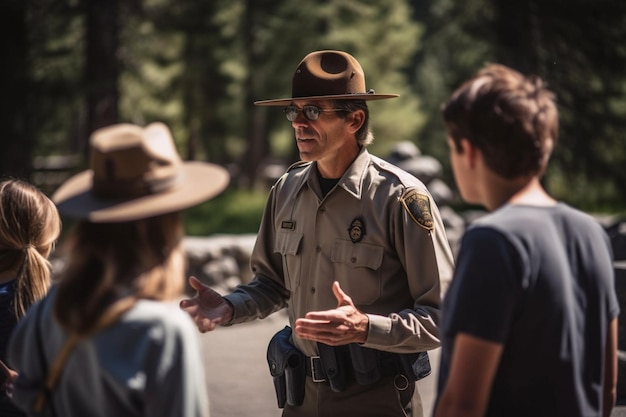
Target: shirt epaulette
298, 164
407, 179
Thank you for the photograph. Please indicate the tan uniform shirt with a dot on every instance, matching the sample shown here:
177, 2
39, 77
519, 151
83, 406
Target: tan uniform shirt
377, 232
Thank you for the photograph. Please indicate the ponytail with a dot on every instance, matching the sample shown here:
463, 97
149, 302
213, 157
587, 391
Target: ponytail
33, 280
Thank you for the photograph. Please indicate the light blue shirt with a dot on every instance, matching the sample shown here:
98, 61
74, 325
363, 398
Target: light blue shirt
146, 364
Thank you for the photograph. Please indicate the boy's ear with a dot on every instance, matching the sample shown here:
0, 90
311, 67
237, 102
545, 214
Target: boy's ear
471, 151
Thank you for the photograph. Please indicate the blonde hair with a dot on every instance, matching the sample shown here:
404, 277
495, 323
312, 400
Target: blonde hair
110, 262
29, 227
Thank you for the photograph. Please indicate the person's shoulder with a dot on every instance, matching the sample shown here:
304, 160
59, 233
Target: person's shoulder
154, 325
537, 215
569, 211
502, 223
298, 166
581, 220
295, 170
158, 313
293, 175
396, 174
534, 222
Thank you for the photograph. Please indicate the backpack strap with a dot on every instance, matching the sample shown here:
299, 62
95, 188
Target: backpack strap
110, 316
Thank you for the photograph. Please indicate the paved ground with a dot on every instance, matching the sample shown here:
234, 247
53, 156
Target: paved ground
238, 379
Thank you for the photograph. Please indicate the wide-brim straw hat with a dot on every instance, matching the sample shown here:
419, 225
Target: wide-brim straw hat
327, 75
137, 173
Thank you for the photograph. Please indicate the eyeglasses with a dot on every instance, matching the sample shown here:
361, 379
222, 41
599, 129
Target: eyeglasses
310, 111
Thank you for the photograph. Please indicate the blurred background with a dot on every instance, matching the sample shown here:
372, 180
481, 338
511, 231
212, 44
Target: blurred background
71, 66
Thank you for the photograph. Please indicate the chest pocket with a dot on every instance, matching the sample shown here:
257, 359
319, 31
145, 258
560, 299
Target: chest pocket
288, 245
357, 268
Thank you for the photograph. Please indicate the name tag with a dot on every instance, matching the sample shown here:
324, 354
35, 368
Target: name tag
288, 224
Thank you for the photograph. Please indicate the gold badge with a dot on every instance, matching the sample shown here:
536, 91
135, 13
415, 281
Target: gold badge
418, 207
356, 230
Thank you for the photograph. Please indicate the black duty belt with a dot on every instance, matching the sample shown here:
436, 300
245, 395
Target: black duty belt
316, 370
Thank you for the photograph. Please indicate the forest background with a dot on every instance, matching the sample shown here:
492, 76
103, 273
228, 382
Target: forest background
72, 66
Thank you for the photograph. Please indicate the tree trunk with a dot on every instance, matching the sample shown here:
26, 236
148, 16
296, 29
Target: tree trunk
256, 133
515, 35
102, 68
17, 143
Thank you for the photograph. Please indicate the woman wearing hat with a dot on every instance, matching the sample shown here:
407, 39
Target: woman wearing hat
353, 247
106, 341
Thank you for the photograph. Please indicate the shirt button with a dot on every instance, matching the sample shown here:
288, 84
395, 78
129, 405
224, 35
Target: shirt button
318, 249
312, 290
322, 209
353, 260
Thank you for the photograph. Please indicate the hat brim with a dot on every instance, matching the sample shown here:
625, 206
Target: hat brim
199, 182
287, 101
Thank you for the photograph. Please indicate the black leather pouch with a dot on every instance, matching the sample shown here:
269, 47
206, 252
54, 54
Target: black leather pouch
415, 365
287, 367
295, 378
365, 363
334, 364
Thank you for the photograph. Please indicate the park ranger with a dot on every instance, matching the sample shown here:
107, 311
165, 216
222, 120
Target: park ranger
353, 247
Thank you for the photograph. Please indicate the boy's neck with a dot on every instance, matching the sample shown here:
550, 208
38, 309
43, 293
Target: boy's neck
519, 191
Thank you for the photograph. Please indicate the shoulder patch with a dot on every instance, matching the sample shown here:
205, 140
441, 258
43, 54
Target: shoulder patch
418, 206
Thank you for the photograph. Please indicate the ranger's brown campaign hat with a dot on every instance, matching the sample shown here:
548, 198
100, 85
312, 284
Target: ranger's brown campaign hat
137, 173
328, 75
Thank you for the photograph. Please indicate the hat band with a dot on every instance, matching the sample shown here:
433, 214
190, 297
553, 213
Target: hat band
333, 94
133, 188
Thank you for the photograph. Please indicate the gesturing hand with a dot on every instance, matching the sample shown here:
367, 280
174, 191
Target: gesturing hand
339, 326
207, 309
9, 376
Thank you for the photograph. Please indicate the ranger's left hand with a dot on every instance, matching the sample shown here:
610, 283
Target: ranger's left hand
339, 326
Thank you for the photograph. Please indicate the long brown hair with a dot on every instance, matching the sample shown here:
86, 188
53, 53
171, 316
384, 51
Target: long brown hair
109, 262
29, 227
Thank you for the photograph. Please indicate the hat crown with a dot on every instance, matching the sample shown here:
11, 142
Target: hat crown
130, 161
137, 173
328, 73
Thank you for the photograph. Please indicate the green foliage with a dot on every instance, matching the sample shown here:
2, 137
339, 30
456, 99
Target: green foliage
199, 65
380, 35
453, 48
55, 70
233, 212
575, 45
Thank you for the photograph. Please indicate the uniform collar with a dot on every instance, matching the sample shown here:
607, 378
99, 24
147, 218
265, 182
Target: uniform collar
351, 180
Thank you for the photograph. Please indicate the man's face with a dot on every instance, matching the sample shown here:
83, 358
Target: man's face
322, 138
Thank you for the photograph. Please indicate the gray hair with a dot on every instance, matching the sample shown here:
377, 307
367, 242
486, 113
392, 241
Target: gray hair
364, 136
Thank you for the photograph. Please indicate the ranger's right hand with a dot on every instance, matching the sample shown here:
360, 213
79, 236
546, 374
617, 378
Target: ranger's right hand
207, 309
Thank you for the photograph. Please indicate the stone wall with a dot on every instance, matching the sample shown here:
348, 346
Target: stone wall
221, 261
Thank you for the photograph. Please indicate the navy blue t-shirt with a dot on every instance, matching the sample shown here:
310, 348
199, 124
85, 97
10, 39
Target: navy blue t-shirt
539, 281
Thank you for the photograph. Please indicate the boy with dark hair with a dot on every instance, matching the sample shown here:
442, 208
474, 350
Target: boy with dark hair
529, 323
